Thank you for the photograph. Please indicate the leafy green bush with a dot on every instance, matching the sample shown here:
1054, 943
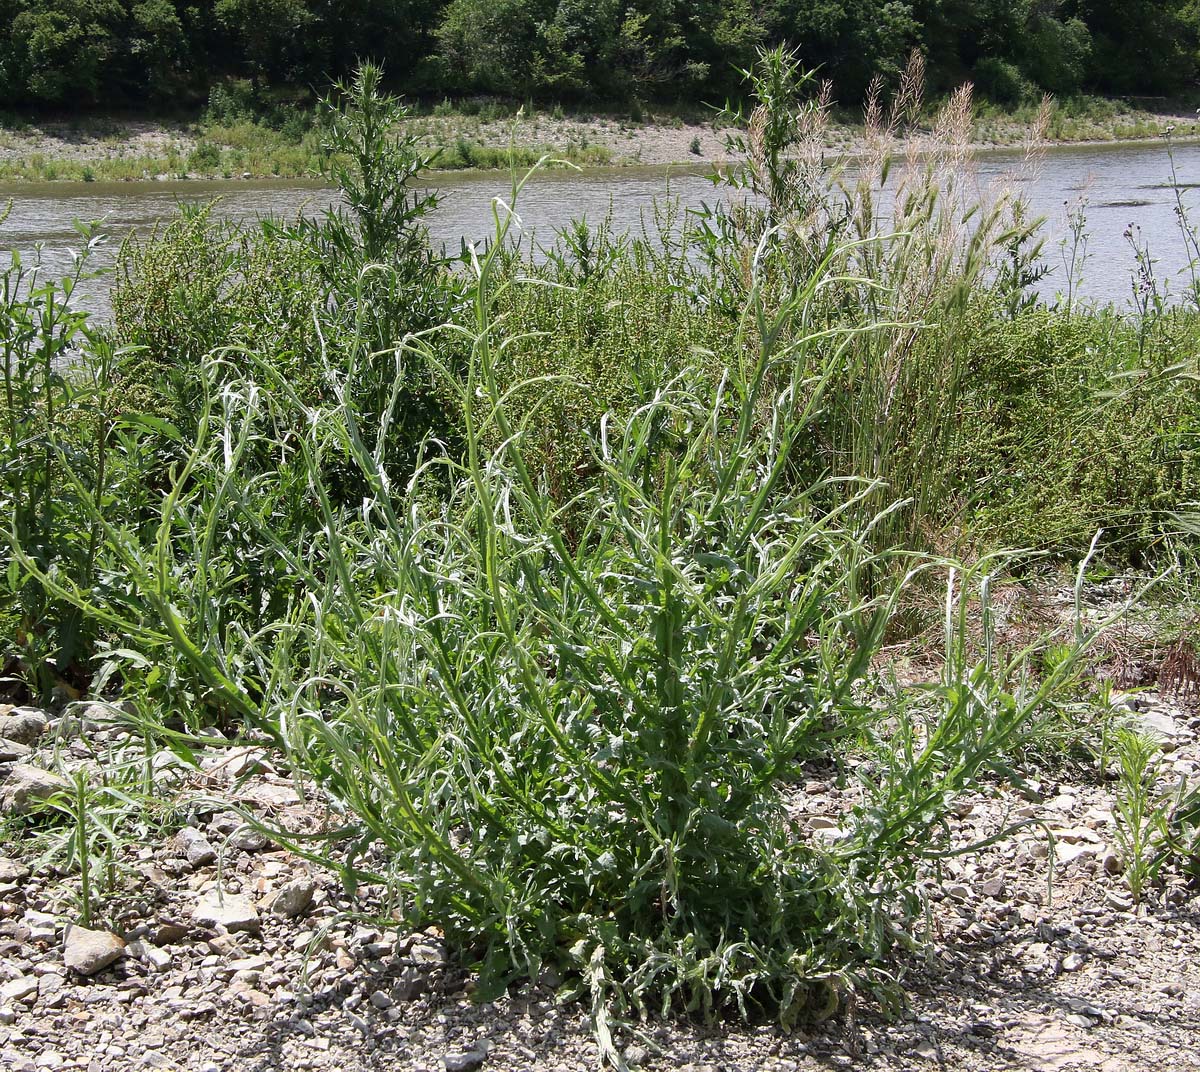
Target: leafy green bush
1126, 437
1000, 81
231, 101
205, 157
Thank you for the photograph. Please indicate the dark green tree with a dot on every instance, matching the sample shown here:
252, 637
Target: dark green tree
1140, 46
65, 49
849, 41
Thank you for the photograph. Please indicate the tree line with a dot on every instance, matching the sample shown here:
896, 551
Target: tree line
171, 53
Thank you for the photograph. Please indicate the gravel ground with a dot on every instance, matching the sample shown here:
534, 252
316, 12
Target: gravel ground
1030, 967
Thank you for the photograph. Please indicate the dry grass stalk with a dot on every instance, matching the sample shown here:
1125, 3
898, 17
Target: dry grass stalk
1179, 672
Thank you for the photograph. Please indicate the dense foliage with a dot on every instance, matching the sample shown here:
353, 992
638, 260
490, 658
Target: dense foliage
552, 573
166, 53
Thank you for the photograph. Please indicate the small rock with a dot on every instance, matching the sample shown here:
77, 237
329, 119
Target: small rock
87, 952
1120, 901
50, 990
194, 847
1064, 803
1159, 725
958, 892
464, 1062
273, 795
249, 761
85, 720
1083, 1007
168, 932
825, 827
12, 870
10, 750
233, 912
381, 1000
158, 959
1076, 835
22, 988
993, 887
636, 1056
429, 954
1067, 851
1072, 962
409, 984
24, 785
294, 899
24, 725
43, 927
248, 839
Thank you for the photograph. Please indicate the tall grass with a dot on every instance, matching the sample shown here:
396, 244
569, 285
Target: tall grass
50, 421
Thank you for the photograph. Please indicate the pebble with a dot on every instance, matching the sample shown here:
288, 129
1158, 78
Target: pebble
926, 1050
233, 912
248, 839
22, 786
24, 725
12, 870
87, 952
43, 927
993, 887
21, 989
294, 899
429, 954
636, 1055
464, 1062
194, 847
11, 750
158, 959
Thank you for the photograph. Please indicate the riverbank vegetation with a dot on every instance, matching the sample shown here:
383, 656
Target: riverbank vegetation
551, 571
233, 140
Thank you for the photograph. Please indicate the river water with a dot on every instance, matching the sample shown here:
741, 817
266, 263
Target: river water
1121, 186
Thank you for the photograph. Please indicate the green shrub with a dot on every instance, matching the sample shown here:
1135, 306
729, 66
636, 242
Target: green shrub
1126, 438
1000, 81
205, 157
551, 571
231, 101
